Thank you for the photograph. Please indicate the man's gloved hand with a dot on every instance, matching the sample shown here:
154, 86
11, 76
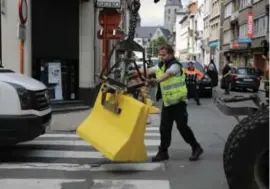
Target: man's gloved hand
156, 1
152, 82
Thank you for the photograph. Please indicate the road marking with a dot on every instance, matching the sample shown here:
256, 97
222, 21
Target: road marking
119, 167
152, 129
148, 142
78, 137
36, 183
97, 184
134, 184
62, 154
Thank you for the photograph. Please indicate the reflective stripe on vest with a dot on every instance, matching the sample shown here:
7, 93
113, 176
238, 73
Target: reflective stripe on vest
174, 89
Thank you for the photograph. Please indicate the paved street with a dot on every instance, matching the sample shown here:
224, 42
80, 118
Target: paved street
61, 160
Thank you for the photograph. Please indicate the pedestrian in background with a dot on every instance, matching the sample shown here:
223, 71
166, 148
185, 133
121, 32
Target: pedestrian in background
213, 73
226, 76
193, 75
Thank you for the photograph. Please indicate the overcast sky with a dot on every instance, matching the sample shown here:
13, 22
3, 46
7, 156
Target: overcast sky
151, 13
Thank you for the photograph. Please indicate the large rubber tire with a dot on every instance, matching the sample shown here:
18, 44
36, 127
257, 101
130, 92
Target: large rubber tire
244, 145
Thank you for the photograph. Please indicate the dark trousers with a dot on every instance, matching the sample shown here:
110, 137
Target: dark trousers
193, 91
227, 85
177, 113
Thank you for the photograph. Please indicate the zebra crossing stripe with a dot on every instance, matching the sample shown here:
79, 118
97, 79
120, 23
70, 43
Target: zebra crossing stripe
74, 136
114, 167
82, 183
136, 184
63, 154
148, 142
37, 183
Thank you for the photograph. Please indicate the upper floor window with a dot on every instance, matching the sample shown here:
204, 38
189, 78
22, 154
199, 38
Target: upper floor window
228, 10
227, 36
169, 11
243, 31
255, 1
260, 26
244, 3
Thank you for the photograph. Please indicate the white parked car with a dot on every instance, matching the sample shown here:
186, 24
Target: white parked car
25, 108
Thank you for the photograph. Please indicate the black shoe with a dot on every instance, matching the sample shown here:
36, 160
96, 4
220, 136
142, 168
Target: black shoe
198, 103
196, 153
161, 156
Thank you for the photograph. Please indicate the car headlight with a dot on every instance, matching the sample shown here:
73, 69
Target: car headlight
24, 96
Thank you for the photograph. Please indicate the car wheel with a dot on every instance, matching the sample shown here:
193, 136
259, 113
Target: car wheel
255, 90
209, 93
246, 153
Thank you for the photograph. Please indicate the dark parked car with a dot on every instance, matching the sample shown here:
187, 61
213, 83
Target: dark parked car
205, 85
245, 78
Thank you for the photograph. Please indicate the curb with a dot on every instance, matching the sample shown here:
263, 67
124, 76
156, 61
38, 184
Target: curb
59, 110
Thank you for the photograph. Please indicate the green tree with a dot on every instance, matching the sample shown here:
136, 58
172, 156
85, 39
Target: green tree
155, 45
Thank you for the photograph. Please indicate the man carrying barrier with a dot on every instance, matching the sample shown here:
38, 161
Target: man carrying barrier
171, 87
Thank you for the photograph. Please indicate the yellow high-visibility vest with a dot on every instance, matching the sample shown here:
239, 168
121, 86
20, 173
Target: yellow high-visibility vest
174, 89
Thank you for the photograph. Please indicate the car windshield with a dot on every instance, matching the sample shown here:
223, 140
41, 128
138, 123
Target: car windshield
246, 71
196, 65
155, 61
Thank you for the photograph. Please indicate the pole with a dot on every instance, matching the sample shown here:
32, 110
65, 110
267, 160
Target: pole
152, 45
21, 50
23, 14
105, 44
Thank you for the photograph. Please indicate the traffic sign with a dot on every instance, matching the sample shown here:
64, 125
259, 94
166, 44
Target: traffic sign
23, 11
115, 4
109, 18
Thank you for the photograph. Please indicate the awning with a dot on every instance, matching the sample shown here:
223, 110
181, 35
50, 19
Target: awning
213, 44
244, 40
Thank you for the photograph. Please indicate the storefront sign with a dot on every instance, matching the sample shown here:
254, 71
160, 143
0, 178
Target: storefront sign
250, 25
116, 4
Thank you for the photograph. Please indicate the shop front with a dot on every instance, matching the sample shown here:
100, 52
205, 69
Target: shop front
60, 46
55, 46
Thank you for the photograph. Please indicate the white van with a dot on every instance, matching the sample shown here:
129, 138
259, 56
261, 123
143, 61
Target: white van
25, 108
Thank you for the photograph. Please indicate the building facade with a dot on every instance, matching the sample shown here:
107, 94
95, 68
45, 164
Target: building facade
199, 34
182, 38
246, 24
58, 34
214, 22
206, 31
192, 8
179, 31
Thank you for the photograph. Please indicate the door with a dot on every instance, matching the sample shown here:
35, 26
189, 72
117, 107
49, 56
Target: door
55, 39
